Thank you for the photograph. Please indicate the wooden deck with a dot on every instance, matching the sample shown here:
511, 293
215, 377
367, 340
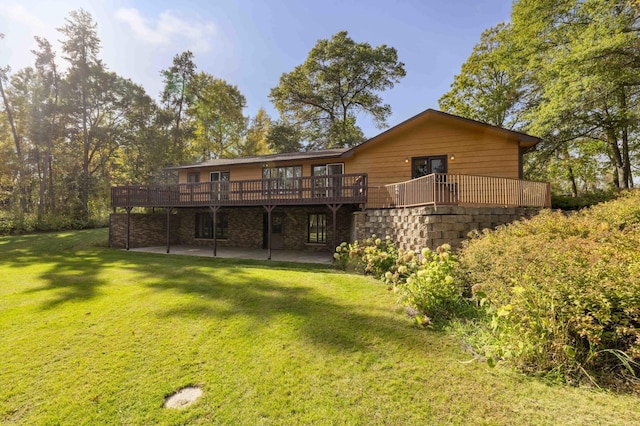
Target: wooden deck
333, 189
434, 189
460, 190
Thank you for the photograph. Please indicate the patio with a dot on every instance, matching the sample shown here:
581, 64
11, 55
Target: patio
297, 256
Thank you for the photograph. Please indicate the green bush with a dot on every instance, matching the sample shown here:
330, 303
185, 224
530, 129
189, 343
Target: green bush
372, 256
424, 282
567, 202
562, 292
431, 291
14, 224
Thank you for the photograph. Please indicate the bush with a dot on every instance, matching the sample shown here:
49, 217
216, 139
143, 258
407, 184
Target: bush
567, 202
424, 282
431, 291
562, 293
372, 256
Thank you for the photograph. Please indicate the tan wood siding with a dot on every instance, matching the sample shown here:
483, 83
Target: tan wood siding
476, 152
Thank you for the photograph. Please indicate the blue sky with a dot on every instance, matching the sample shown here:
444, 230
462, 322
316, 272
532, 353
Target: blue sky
251, 43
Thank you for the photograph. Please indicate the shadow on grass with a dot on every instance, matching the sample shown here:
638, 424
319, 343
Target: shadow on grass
225, 288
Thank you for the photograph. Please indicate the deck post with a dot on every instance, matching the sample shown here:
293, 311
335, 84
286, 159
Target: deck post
334, 209
127, 244
214, 210
269, 209
168, 229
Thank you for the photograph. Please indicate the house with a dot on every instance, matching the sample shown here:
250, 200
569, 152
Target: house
437, 163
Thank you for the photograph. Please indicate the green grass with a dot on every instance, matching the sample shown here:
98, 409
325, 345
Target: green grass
90, 335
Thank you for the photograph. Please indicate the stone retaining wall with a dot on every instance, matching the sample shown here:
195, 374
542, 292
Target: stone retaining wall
418, 227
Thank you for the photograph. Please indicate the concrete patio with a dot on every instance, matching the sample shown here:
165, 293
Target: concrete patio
297, 256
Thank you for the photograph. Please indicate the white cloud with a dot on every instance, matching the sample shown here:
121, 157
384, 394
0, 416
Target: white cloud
168, 29
19, 13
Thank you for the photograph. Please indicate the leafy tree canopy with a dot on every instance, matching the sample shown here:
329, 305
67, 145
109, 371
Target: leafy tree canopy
339, 81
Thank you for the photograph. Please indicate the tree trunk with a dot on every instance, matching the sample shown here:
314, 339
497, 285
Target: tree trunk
618, 162
19, 172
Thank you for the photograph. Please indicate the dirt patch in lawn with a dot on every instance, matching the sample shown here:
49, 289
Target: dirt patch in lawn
183, 397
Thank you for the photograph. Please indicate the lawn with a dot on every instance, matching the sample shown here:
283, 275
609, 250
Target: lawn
90, 335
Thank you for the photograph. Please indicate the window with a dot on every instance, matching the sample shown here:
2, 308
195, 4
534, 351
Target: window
422, 166
204, 226
193, 177
282, 179
317, 230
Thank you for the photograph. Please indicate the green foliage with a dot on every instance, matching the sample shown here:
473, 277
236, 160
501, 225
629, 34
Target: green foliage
566, 202
424, 282
339, 80
562, 293
15, 224
372, 256
430, 289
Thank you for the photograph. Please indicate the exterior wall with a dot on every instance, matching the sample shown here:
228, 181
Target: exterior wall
245, 228
419, 227
477, 151
146, 230
254, 171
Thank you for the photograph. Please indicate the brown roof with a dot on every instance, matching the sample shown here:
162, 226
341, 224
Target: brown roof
525, 140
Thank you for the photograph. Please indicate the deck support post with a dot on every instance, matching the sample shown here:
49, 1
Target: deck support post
269, 209
214, 211
127, 243
168, 209
334, 209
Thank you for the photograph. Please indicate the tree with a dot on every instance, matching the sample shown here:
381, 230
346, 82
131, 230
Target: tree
339, 80
19, 170
82, 46
488, 87
49, 92
217, 112
255, 141
284, 137
177, 96
564, 70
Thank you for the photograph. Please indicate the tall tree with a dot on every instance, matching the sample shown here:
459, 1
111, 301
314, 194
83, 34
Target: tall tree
177, 96
19, 171
340, 80
488, 88
564, 70
46, 115
284, 137
81, 47
217, 112
255, 141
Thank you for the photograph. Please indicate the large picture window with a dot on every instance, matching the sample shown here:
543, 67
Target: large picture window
204, 226
317, 229
282, 179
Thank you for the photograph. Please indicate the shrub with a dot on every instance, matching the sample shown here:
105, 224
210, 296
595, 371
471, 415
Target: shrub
372, 256
431, 289
562, 293
424, 282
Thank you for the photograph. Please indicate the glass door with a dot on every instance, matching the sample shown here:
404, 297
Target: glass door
220, 185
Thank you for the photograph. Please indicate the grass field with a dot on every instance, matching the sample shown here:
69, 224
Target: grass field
90, 335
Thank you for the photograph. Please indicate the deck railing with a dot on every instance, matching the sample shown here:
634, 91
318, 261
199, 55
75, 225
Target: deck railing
467, 190
340, 189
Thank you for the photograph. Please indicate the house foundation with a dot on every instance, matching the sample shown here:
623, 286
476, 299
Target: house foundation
431, 226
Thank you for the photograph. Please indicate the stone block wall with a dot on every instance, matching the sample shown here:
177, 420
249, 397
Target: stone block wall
418, 227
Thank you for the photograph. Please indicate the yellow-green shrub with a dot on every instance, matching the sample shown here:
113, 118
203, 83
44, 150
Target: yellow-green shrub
562, 293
